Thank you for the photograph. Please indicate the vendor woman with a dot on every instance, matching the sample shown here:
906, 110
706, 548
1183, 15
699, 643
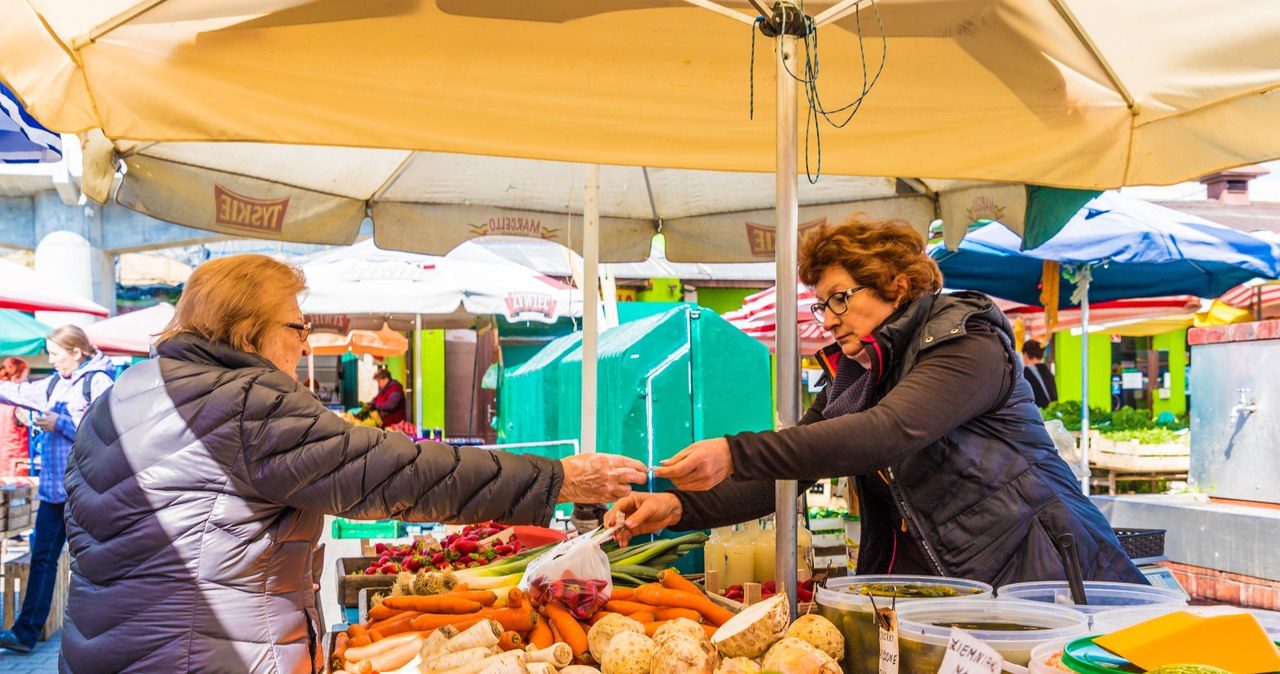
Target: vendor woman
927, 408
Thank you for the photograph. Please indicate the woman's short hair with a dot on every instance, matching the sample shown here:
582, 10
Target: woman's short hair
382, 373
72, 337
14, 369
874, 252
1033, 349
235, 300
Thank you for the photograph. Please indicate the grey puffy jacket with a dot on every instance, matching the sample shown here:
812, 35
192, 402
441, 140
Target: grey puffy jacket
196, 495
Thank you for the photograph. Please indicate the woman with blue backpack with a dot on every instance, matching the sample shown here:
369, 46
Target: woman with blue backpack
81, 375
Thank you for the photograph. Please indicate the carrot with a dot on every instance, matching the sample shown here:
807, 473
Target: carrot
515, 598
626, 607
438, 603
357, 631
676, 599
673, 613
383, 612
623, 593
462, 587
403, 623
510, 641
356, 654
540, 636
600, 615
340, 644
516, 620
710, 630
672, 580
650, 628
570, 632
375, 636
645, 617
485, 597
362, 640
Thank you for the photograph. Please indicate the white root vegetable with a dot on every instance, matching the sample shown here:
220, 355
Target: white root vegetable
738, 666
579, 669
601, 633
557, 655
506, 666
479, 666
446, 661
683, 654
436, 641
794, 656
677, 628
750, 633
483, 634
540, 668
820, 633
411, 668
628, 654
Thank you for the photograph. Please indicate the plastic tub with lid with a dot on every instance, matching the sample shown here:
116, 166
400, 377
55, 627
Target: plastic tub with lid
1102, 595
1047, 657
1013, 628
853, 613
1120, 618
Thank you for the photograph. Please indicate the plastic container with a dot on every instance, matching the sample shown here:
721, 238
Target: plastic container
852, 540
854, 616
1103, 596
713, 555
345, 528
764, 557
924, 628
739, 557
1040, 656
1120, 618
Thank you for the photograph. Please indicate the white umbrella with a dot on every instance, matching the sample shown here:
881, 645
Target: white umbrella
132, 333
22, 289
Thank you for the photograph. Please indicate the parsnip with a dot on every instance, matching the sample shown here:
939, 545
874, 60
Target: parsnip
447, 661
436, 641
540, 668
481, 665
557, 655
480, 635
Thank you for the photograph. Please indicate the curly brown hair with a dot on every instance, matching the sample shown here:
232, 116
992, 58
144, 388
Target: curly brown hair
875, 253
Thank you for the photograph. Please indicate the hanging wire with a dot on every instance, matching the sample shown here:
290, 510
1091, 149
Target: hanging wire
751, 98
809, 81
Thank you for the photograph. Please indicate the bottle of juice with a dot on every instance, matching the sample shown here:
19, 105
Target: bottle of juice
765, 552
739, 557
713, 556
804, 551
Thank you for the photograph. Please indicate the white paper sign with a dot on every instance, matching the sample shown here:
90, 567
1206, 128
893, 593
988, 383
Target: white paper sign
887, 619
1131, 381
967, 654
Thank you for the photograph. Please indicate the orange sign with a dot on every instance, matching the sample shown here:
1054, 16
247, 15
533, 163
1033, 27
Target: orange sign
241, 212
513, 226
763, 238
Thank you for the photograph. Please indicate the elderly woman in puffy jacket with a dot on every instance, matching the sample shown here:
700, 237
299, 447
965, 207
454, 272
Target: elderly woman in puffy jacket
927, 408
198, 487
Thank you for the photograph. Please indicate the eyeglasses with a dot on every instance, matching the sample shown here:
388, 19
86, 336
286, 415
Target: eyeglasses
838, 303
304, 329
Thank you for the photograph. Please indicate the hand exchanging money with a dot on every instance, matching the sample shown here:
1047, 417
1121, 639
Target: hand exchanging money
599, 478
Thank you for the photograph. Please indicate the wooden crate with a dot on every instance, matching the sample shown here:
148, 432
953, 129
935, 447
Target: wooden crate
1130, 456
16, 572
349, 585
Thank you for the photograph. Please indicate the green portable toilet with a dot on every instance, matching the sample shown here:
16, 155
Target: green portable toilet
523, 412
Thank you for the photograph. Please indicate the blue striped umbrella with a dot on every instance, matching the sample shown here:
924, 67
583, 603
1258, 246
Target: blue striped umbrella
23, 140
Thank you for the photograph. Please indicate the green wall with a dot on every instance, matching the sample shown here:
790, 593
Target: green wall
1068, 371
664, 290
1176, 344
396, 365
432, 378
724, 300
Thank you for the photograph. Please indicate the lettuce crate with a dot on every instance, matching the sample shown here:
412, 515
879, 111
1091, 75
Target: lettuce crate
344, 528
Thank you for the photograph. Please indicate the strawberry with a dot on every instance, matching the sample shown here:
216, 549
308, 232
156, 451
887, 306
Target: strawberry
412, 564
383, 560
371, 571
390, 567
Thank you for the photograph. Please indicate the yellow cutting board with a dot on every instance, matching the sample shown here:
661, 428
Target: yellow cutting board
1236, 643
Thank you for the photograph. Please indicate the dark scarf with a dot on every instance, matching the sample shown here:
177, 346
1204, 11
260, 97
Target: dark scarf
850, 390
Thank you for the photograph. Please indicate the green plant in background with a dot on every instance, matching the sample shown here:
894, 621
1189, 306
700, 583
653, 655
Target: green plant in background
1128, 419
1147, 436
1068, 412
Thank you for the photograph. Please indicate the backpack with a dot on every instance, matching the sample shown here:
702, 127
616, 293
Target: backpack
86, 383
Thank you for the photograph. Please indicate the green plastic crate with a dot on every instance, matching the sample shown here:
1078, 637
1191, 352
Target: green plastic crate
344, 528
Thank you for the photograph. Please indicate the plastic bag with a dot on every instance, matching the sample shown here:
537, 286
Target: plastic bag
1067, 449
573, 575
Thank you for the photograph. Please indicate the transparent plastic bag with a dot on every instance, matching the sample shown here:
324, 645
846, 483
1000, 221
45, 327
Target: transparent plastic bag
1067, 448
573, 575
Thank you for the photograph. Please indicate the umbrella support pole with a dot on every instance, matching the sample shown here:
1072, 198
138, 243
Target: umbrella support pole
417, 373
1084, 380
590, 304
788, 357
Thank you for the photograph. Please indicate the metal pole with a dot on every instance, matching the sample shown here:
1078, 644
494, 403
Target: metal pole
417, 373
591, 303
1084, 377
788, 357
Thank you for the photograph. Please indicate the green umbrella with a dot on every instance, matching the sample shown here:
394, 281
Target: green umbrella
20, 334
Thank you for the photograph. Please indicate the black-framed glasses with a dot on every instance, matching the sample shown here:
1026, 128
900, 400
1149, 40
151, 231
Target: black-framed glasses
838, 303
304, 329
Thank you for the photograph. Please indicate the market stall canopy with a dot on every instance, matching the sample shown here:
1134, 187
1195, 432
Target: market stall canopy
132, 333
137, 269
380, 343
1062, 92
1134, 249
20, 334
23, 140
366, 280
431, 202
22, 289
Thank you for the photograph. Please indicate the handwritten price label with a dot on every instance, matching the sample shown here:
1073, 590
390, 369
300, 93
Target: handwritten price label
887, 619
967, 654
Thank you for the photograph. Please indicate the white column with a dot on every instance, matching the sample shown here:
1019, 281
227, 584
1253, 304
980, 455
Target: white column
590, 303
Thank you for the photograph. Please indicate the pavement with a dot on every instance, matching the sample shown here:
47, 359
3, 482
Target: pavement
44, 660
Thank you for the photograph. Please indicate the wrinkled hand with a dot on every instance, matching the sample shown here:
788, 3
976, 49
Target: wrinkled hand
700, 466
599, 478
643, 513
48, 421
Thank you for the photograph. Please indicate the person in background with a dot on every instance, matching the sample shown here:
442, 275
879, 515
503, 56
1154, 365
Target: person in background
15, 437
926, 407
199, 487
389, 402
81, 375
1043, 386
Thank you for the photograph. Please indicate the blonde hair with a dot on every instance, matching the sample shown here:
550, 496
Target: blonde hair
72, 337
235, 300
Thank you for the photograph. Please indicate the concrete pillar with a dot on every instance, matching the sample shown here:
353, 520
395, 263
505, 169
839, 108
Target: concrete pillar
69, 255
